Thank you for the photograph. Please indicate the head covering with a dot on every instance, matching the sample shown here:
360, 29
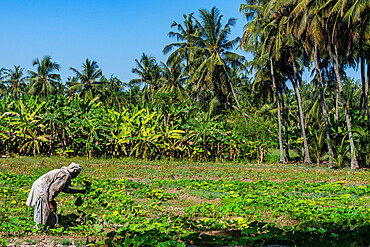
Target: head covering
73, 168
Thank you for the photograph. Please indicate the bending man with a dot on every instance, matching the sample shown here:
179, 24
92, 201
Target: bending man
46, 188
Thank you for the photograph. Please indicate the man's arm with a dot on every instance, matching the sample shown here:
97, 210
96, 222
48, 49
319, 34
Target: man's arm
68, 190
73, 191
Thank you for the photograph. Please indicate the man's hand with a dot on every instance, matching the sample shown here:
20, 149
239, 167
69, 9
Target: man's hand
73, 191
51, 207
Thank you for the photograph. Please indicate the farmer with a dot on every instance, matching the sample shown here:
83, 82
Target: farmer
46, 188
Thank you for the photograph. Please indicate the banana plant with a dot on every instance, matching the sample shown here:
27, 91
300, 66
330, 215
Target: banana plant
340, 151
145, 136
118, 132
27, 124
33, 141
171, 138
87, 125
361, 136
316, 137
201, 131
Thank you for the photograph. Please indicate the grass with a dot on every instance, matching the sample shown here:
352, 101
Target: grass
31, 241
144, 177
66, 242
274, 155
204, 194
128, 168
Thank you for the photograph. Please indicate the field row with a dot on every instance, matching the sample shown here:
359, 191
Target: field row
179, 211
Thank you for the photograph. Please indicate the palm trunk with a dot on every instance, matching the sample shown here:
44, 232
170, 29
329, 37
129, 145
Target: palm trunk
363, 82
236, 100
283, 109
323, 104
334, 59
282, 160
307, 158
196, 91
366, 94
51, 139
336, 114
165, 116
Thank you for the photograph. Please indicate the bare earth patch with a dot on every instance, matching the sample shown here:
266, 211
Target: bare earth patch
44, 240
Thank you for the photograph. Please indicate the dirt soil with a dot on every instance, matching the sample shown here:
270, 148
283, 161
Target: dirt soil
44, 240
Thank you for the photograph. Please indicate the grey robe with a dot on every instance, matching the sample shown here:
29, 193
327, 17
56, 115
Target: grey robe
43, 191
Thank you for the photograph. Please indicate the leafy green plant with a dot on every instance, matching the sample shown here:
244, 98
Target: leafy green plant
340, 151
317, 138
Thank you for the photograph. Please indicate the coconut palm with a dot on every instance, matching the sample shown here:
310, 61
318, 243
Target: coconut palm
189, 27
149, 71
181, 53
258, 40
15, 81
112, 93
335, 27
173, 79
44, 81
357, 17
88, 82
209, 46
291, 49
308, 25
2, 84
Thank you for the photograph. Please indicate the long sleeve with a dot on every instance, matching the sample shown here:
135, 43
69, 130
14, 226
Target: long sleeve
60, 183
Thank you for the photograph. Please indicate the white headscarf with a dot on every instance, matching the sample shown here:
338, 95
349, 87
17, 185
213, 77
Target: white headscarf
73, 168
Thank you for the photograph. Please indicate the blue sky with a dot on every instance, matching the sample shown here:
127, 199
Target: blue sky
114, 33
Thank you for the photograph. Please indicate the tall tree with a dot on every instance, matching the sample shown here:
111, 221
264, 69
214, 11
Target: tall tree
181, 54
150, 74
259, 39
43, 82
335, 27
286, 43
88, 82
173, 79
112, 93
357, 17
308, 25
212, 56
2, 85
15, 81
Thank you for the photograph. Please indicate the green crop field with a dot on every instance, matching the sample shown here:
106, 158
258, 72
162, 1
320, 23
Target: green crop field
147, 203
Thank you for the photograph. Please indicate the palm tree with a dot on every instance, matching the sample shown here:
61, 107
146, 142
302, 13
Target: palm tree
181, 53
357, 16
112, 91
289, 45
172, 89
15, 81
88, 82
182, 37
2, 84
308, 25
335, 27
210, 48
149, 71
258, 38
44, 81
71, 80
173, 79
213, 43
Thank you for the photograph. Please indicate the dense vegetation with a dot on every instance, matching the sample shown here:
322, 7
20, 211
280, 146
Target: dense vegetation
201, 104
78, 127
136, 203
